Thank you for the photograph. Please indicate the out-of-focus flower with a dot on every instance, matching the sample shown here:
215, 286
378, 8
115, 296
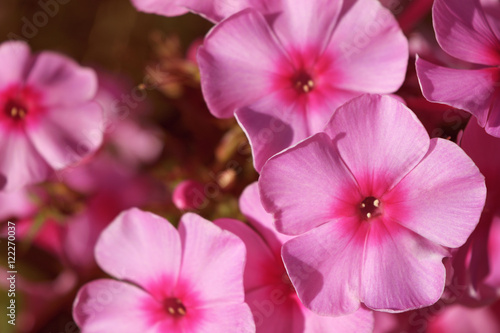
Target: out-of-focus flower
465, 32
189, 194
213, 10
16, 204
373, 201
477, 263
124, 107
269, 292
47, 117
161, 7
190, 280
284, 75
460, 319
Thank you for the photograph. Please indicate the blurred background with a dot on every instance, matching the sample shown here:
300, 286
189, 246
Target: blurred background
158, 133
163, 151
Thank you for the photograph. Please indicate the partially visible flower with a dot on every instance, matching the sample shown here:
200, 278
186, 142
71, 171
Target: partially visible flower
477, 263
284, 75
464, 31
190, 280
213, 10
16, 204
460, 319
48, 119
189, 194
269, 292
374, 202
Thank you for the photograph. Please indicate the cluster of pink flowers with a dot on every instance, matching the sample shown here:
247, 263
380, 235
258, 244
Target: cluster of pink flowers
362, 219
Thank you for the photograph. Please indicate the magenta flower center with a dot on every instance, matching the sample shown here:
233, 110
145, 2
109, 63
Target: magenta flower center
370, 208
15, 109
303, 82
174, 307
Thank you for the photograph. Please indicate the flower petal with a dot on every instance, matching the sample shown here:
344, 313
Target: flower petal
463, 31
262, 221
272, 126
304, 24
369, 49
442, 198
492, 126
361, 321
401, 270
61, 80
213, 261
142, 248
15, 58
234, 318
217, 10
307, 185
324, 266
275, 311
470, 90
160, 7
379, 139
261, 266
65, 136
20, 162
102, 305
237, 62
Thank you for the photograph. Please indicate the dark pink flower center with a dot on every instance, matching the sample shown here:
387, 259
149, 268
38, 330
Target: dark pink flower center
15, 109
303, 82
370, 207
174, 307
19, 105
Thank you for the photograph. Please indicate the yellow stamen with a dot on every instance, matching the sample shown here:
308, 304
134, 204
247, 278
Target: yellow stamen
376, 203
13, 112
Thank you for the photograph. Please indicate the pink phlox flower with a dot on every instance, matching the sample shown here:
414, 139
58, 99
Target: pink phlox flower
373, 202
283, 75
269, 292
186, 280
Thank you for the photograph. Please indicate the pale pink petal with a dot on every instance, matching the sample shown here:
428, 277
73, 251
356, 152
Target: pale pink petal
323, 102
463, 31
61, 80
361, 321
446, 186
262, 221
275, 311
272, 126
305, 24
379, 139
401, 270
20, 162
470, 90
213, 261
17, 204
238, 62
143, 248
307, 185
369, 50
217, 10
324, 266
160, 7
262, 266
64, 136
103, 305
234, 318
15, 58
